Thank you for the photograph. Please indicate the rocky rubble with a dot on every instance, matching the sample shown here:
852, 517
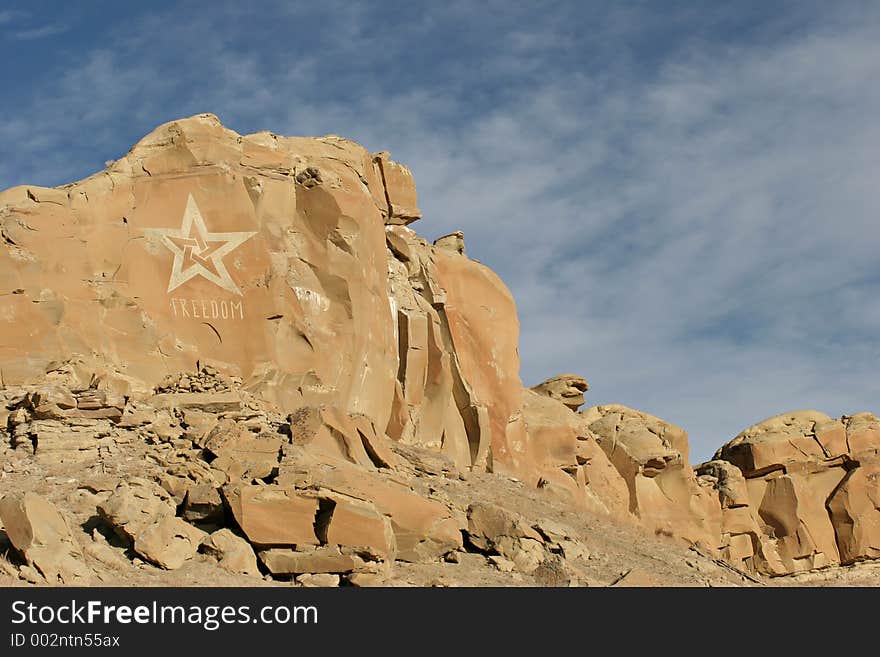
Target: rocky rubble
236, 360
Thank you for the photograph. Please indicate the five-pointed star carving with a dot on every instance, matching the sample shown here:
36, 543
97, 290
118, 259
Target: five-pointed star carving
198, 252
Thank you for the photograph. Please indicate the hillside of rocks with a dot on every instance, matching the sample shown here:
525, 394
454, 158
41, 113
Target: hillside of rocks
230, 360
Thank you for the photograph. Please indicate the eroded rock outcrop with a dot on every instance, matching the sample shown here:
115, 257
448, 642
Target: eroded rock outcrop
567, 388
254, 320
569, 456
811, 483
652, 457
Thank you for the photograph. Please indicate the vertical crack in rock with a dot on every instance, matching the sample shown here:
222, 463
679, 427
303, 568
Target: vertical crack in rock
378, 162
323, 518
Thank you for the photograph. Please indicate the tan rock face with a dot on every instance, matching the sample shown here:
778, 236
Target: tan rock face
810, 481
567, 388
42, 535
281, 262
784, 440
453, 242
400, 190
201, 245
136, 505
855, 514
257, 310
483, 328
422, 529
169, 543
651, 456
569, 457
277, 266
232, 552
274, 516
458, 388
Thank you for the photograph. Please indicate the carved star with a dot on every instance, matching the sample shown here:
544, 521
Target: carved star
198, 252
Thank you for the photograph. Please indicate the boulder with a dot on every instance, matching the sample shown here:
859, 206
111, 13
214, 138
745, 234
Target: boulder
423, 529
169, 543
400, 190
863, 436
567, 388
41, 534
135, 505
272, 515
232, 552
453, 242
282, 561
240, 453
356, 524
203, 504
794, 514
494, 529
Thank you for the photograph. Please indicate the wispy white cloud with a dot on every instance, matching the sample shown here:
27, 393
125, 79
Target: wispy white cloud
42, 32
8, 16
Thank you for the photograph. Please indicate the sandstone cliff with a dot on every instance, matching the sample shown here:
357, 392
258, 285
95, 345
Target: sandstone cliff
235, 349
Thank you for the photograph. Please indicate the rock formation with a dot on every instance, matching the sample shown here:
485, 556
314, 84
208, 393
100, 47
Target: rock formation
237, 352
811, 490
652, 457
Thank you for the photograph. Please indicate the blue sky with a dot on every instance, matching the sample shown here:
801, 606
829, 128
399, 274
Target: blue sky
683, 196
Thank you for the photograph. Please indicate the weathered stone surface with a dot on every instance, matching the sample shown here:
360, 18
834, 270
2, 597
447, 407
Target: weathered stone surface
492, 528
776, 443
561, 443
808, 481
203, 504
400, 190
357, 524
273, 515
332, 434
423, 529
731, 484
282, 561
135, 505
232, 552
637, 442
318, 580
483, 328
863, 436
744, 542
211, 402
37, 530
252, 312
855, 514
286, 289
636, 578
794, 507
567, 388
452, 242
169, 543
601, 478
489, 523
651, 456
240, 453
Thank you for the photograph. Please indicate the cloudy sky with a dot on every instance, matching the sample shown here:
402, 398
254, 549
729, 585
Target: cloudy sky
684, 197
